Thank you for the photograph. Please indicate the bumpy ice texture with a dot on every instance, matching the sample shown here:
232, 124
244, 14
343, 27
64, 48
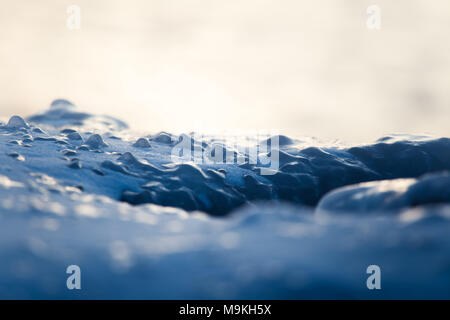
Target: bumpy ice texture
82, 189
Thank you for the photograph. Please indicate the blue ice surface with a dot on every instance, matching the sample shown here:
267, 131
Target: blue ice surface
78, 189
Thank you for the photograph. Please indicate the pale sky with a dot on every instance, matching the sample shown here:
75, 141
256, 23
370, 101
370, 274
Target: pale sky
302, 67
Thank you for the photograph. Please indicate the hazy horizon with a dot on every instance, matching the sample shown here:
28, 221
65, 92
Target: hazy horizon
300, 67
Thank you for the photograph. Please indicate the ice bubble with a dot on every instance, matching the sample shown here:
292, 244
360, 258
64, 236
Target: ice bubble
17, 122
61, 103
128, 158
162, 137
74, 136
142, 143
96, 141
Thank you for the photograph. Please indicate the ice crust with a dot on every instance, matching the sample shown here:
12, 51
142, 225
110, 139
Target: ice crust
82, 189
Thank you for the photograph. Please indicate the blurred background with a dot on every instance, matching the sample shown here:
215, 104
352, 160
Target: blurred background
303, 67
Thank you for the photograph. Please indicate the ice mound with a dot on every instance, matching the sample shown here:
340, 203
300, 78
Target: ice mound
162, 137
79, 189
389, 195
62, 113
17, 122
142, 143
95, 142
62, 103
74, 136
